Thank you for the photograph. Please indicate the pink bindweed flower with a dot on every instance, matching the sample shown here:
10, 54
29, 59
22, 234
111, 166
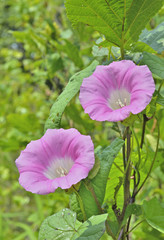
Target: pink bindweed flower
60, 158
112, 92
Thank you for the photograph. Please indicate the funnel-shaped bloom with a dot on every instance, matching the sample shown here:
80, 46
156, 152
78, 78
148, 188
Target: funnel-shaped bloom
60, 158
112, 92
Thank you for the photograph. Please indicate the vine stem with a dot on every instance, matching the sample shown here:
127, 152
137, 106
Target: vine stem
153, 159
135, 226
81, 204
127, 175
145, 119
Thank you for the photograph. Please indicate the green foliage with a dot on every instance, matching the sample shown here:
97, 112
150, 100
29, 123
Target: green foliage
64, 225
114, 190
97, 185
154, 214
39, 53
138, 15
154, 38
70, 91
132, 209
141, 47
103, 16
154, 63
160, 99
120, 21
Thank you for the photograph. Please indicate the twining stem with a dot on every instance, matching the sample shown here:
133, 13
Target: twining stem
121, 233
123, 149
127, 175
145, 119
135, 226
153, 159
137, 165
81, 204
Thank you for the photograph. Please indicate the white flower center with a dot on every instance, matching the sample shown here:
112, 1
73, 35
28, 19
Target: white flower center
119, 98
59, 168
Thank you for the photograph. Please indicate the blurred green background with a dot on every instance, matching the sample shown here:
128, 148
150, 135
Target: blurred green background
39, 52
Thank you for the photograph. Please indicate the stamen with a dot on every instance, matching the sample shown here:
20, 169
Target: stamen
120, 103
59, 168
119, 98
61, 171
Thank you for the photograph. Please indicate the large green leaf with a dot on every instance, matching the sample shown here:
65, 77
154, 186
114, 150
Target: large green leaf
154, 63
103, 15
138, 16
65, 97
98, 183
64, 225
154, 214
120, 21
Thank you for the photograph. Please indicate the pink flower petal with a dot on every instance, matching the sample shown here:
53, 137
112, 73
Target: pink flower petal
63, 153
98, 93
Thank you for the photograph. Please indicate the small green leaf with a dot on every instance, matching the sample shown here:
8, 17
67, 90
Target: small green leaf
131, 209
154, 38
141, 47
65, 97
71, 51
99, 51
160, 100
64, 225
154, 63
154, 214
54, 63
130, 120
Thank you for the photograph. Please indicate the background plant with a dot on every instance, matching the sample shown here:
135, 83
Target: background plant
37, 42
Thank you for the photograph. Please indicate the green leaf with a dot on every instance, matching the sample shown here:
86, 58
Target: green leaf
95, 168
23, 122
98, 183
131, 209
65, 97
154, 214
99, 51
154, 38
71, 51
141, 47
115, 176
64, 225
138, 15
104, 16
120, 21
160, 99
54, 63
154, 63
